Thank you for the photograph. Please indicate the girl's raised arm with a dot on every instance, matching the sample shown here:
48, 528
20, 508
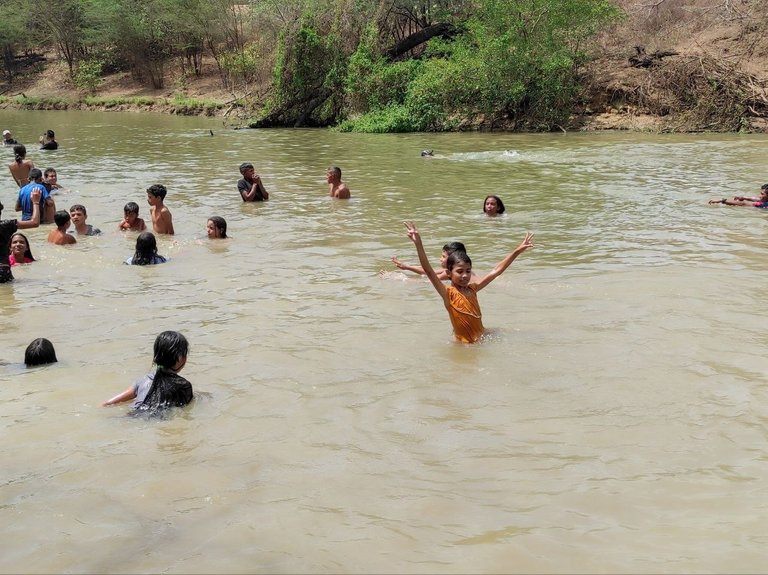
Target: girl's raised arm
504, 264
413, 234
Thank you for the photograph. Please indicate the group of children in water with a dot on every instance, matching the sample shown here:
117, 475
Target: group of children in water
163, 387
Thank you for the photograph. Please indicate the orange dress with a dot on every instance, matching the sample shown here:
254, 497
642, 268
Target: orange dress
464, 311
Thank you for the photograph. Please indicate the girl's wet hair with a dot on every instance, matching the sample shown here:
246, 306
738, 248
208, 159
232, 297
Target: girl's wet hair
20, 152
170, 347
457, 257
40, 352
168, 388
146, 249
28, 251
220, 224
499, 204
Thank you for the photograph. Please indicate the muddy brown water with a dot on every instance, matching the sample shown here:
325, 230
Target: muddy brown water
614, 421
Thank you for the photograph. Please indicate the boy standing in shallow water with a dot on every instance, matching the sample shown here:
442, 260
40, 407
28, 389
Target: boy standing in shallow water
131, 220
162, 221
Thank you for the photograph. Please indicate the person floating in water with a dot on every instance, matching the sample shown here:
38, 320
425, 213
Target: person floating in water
216, 228
40, 352
460, 298
493, 206
760, 202
163, 387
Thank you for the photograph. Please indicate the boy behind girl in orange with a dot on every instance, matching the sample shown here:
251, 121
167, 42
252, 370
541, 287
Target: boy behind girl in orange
59, 236
162, 220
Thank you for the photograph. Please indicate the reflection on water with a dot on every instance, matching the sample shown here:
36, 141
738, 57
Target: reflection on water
614, 421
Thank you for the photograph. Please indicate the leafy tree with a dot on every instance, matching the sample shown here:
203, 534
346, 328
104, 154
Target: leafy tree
63, 23
513, 60
15, 36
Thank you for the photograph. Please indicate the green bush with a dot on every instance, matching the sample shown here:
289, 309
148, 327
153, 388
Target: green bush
392, 119
87, 77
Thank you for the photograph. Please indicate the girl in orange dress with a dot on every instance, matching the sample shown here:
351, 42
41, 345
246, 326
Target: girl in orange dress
460, 298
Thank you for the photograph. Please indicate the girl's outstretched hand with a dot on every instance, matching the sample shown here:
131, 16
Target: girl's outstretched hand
413, 233
527, 242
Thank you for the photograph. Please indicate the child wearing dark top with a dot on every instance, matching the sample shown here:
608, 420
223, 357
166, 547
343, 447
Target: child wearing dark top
146, 251
163, 387
250, 187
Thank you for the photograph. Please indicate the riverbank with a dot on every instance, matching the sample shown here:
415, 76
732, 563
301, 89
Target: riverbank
664, 68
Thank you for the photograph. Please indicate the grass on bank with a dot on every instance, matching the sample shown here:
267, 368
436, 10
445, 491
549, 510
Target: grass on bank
179, 102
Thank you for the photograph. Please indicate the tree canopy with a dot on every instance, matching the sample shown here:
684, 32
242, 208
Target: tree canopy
364, 65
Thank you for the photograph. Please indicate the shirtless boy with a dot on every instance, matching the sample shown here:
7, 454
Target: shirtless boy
131, 220
337, 189
162, 220
59, 236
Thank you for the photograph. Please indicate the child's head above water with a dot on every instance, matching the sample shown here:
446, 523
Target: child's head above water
61, 218
168, 388
171, 349
146, 248
448, 249
216, 227
157, 190
40, 352
20, 249
457, 257
245, 166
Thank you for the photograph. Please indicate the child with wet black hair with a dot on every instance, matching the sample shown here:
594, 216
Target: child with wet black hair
146, 251
163, 387
40, 352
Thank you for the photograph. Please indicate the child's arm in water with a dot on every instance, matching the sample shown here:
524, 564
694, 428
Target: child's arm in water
414, 236
504, 264
402, 266
127, 395
442, 274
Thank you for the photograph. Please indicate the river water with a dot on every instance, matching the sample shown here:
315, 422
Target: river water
613, 422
